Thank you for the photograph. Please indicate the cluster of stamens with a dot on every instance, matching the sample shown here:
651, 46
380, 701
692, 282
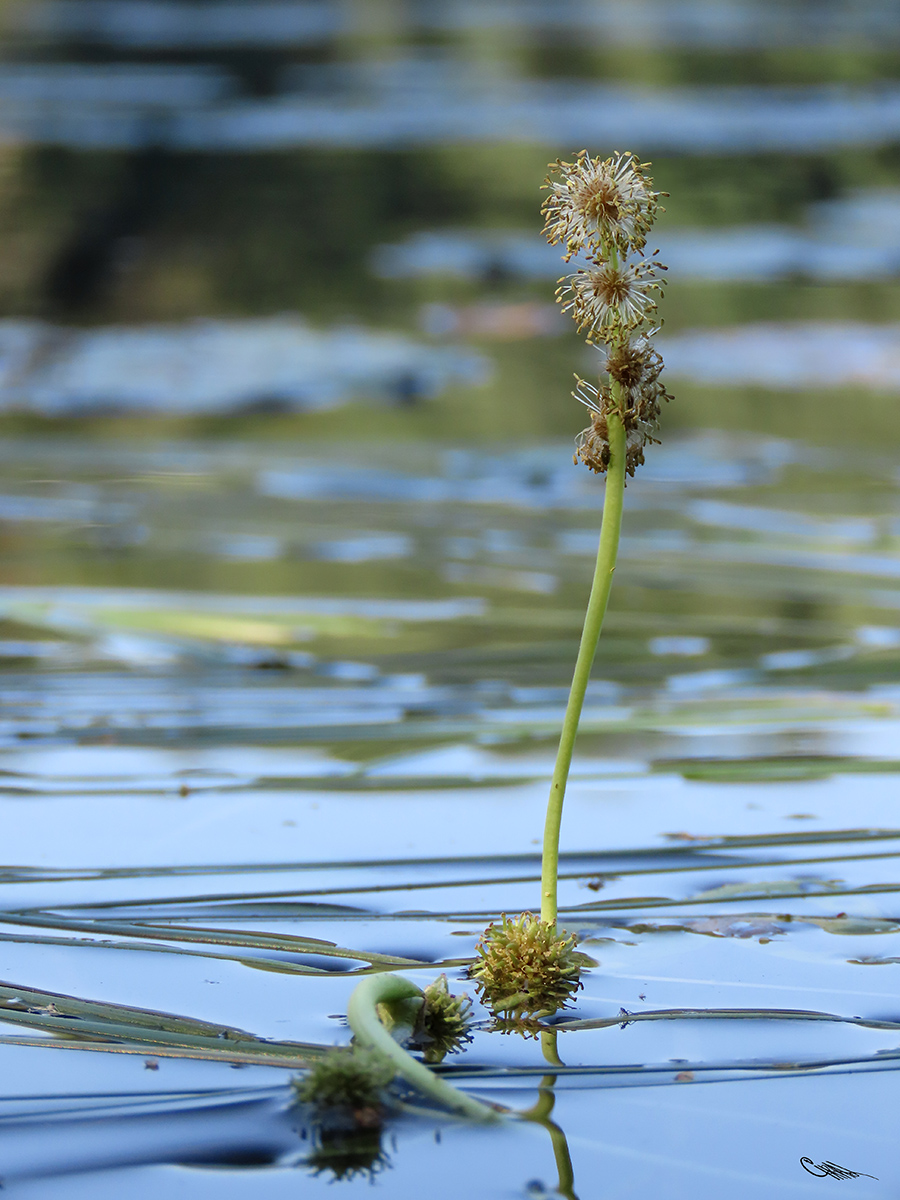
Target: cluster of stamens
603, 210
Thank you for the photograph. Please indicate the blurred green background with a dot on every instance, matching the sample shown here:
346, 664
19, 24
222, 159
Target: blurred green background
111, 213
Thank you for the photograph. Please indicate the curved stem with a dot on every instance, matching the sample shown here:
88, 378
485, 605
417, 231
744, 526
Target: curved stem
369, 1031
550, 1049
593, 622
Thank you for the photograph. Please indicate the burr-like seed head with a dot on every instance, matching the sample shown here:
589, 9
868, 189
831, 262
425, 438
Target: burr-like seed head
526, 966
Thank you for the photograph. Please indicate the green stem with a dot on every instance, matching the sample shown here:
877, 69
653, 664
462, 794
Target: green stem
593, 622
369, 1031
550, 1049
540, 1114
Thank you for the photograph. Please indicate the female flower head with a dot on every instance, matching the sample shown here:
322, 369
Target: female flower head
603, 205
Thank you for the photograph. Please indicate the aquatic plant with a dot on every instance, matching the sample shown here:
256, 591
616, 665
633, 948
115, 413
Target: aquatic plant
348, 1082
603, 210
377, 995
525, 967
442, 1026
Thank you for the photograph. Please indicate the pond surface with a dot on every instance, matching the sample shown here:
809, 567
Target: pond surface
199, 779
295, 562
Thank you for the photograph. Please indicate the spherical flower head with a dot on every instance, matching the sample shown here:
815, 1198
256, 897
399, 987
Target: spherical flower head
634, 364
350, 1078
526, 966
599, 205
610, 299
445, 1021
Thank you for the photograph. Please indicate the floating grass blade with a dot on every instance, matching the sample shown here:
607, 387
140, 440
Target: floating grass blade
71, 1018
722, 1014
214, 937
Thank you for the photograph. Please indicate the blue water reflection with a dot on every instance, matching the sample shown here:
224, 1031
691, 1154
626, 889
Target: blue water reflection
295, 560
393, 116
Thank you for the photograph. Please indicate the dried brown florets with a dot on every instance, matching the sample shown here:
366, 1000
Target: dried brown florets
592, 446
634, 392
599, 204
635, 363
526, 966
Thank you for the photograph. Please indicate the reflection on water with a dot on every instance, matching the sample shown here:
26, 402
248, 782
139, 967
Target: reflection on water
161, 24
449, 106
854, 237
281, 366
749, 619
801, 354
278, 710
274, 365
168, 23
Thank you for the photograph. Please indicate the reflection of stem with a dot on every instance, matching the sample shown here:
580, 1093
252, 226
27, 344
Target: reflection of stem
593, 621
541, 1111
548, 1045
369, 1031
540, 1114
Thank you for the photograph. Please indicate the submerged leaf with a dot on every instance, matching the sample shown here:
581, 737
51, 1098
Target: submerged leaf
769, 887
772, 770
853, 925
738, 927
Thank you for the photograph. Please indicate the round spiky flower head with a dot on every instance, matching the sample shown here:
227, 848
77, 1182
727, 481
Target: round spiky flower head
526, 966
348, 1078
445, 1021
611, 297
599, 204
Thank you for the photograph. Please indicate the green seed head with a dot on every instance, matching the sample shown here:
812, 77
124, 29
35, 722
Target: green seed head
350, 1078
445, 1021
526, 966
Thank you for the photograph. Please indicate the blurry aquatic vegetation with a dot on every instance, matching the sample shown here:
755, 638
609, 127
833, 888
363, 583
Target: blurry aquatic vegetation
345, 1088
851, 237
265, 365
